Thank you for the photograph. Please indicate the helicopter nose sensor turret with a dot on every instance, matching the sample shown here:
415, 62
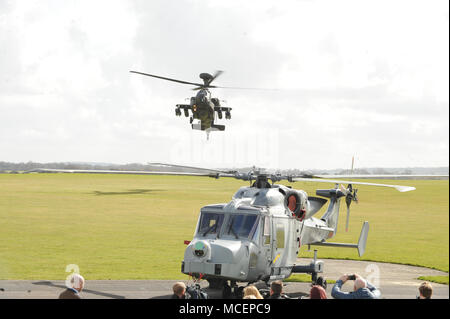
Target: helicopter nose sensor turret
200, 249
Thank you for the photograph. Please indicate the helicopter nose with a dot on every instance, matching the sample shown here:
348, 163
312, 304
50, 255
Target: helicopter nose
227, 258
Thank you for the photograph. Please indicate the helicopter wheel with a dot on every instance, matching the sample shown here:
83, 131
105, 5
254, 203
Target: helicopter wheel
215, 283
321, 282
324, 284
226, 292
239, 292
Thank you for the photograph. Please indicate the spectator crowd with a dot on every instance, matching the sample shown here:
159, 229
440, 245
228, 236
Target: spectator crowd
362, 289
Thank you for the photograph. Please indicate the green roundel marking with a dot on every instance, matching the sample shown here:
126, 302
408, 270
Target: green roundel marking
199, 246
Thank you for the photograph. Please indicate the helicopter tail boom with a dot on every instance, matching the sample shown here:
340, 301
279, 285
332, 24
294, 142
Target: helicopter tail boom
331, 216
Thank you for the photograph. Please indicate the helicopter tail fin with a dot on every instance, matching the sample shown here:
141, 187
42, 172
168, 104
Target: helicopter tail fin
363, 239
361, 245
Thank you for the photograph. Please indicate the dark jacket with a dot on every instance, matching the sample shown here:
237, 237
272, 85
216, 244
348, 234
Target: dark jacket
278, 296
69, 294
370, 292
186, 296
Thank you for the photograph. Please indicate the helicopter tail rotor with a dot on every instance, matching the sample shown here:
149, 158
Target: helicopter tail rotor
349, 197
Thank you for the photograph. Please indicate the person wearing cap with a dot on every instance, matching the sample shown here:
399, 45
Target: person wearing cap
76, 284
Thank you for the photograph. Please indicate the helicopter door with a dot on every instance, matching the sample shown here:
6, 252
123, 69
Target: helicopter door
267, 242
278, 240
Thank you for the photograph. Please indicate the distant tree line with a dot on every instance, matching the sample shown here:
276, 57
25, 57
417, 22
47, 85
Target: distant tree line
8, 167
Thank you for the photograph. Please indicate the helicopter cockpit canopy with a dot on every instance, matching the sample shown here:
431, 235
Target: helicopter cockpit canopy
242, 225
228, 225
203, 96
210, 223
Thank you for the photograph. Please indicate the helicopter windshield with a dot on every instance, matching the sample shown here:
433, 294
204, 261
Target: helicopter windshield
210, 223
203, 96
242, 226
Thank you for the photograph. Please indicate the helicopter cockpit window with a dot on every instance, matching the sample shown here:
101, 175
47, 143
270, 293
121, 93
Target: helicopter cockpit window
242, 225
210, 223
202, 96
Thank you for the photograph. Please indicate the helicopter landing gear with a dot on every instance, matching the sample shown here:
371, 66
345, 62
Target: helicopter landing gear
226, 292
238, 292
216, 283
232, 291
314, 268
314, 277
320, 281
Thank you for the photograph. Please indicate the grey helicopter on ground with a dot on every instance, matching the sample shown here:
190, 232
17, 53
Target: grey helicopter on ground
258, 234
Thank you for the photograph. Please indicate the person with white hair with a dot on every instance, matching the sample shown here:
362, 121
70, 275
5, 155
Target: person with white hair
74, 286
361, 289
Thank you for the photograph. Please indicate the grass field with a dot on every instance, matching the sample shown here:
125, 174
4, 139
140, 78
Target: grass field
133, 226
437, 279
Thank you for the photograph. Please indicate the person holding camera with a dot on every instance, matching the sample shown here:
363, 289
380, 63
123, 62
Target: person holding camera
361, 289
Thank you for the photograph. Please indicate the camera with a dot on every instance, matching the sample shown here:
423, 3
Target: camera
351, 277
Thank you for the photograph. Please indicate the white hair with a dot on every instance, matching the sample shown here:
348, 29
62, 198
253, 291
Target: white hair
360, 283
77, 281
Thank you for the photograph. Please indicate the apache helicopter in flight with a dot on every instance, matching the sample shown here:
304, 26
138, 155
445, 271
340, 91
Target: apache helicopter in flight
258, 234
203, 107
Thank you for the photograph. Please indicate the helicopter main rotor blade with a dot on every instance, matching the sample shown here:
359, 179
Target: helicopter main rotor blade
400, 188
231, 87
168, 79
94, 171
240, 88
348, 218
386, 176
192, 167
215, 76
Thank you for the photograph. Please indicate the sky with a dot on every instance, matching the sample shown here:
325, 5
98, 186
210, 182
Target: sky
368, 79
